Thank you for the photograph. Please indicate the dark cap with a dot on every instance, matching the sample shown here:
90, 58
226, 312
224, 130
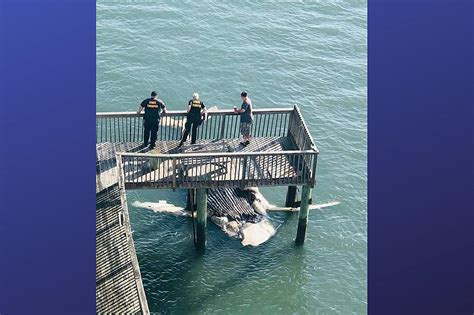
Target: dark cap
153, 94
243, 93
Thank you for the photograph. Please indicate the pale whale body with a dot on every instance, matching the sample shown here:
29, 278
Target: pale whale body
251, 233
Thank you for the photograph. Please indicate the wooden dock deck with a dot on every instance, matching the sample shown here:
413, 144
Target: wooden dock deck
106, 171
119, 288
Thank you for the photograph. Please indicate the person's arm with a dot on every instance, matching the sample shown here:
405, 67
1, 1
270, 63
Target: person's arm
189, 107
243, 108
141, 107
163, 106
204, 110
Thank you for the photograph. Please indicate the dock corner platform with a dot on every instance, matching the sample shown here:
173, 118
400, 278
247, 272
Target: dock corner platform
281, 153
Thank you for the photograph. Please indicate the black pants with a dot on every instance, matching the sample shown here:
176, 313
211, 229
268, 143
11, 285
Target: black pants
151, 127
192, 124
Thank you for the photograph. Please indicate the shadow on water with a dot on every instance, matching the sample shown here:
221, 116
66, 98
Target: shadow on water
180, 278
188, 291
246, 271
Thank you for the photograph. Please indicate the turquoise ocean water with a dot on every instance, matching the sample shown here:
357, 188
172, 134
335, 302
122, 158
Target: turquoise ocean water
310, 53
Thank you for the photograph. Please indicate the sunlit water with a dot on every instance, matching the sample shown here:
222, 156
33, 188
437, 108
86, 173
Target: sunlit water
310, 53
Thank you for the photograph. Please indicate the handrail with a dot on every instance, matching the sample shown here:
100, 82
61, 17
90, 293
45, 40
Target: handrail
229, 169
308, 134
268, 122
183, 112
214, 154
223, 124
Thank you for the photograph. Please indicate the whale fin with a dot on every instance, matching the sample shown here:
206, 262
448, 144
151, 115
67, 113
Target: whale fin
162, 207
311, 207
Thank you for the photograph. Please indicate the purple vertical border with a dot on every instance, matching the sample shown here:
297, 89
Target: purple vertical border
47, 143
420, 164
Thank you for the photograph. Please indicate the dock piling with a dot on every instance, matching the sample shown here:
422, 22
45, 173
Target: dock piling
190, 200
291, 196
201, 202
303, 216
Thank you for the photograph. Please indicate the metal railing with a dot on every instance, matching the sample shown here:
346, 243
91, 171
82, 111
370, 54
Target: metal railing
221, 124
299, 132
206, 170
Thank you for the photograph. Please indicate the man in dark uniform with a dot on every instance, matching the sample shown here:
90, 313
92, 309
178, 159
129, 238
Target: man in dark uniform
153, 108
196, 109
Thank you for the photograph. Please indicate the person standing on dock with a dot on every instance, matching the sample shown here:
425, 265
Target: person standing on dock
153, 108
246, 118
194, 118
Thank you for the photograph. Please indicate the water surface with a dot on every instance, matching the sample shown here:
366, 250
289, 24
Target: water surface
310, 53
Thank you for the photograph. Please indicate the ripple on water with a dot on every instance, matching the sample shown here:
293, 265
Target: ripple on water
310, 53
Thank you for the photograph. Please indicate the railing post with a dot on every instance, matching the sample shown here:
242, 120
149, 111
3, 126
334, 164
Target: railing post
201, 203
130, 129
174, 173
244, 171
303, 215
221, 135
291, 119
315, 163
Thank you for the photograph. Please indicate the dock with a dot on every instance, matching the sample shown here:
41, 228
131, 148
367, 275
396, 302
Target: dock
281, 153
118, 280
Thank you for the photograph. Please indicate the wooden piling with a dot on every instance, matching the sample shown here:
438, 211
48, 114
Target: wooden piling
291, 196
303, 216
201, 203
191, 207
190, 200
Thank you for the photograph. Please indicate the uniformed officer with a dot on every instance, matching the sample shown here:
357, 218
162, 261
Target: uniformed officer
153, 108
194, 118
